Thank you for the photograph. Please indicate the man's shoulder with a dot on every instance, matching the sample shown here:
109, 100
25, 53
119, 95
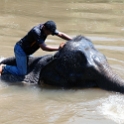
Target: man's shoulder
37, 29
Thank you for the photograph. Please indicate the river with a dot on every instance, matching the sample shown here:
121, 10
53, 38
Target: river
102, 21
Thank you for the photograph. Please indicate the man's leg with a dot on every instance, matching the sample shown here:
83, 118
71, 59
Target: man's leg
21, 62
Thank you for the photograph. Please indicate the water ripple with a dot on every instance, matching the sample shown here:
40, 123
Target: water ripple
113, 48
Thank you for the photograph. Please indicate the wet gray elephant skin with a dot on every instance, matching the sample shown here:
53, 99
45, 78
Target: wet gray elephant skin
77, 64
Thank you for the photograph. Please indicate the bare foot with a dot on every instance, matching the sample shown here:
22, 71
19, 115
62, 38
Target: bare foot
1, 68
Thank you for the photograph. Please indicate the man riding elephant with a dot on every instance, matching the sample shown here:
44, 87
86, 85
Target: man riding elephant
34, 40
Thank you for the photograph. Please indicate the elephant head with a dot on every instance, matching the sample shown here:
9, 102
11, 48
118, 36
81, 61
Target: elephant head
80, 64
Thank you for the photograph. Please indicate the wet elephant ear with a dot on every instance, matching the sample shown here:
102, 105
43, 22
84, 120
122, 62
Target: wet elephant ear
66, 68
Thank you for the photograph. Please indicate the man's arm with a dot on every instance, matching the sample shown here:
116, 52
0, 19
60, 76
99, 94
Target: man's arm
64, 36
44, 47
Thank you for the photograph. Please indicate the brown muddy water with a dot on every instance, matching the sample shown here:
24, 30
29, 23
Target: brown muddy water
102, 21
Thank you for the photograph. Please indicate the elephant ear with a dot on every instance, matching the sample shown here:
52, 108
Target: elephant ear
33, 75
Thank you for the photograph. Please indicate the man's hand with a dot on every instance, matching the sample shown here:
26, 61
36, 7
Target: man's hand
61, 45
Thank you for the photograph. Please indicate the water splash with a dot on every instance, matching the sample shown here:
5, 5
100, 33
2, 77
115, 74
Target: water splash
113, 108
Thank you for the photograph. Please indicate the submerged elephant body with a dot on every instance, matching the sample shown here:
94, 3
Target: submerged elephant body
77, 64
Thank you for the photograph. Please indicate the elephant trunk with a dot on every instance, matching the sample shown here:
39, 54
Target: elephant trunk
109, 80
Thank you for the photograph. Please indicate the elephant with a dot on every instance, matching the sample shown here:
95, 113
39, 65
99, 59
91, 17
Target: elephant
78, 64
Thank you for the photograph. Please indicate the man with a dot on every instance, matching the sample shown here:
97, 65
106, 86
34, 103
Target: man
34, 40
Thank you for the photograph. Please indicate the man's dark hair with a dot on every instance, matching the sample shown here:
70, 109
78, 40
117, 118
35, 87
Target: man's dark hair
51, 26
